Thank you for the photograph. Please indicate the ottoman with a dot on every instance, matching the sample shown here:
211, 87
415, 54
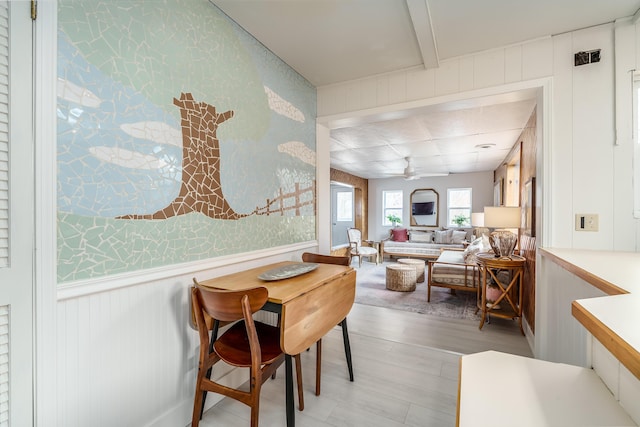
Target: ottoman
419, 265
401, 277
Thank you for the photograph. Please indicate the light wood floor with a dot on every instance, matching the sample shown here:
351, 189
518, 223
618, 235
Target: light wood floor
405, 366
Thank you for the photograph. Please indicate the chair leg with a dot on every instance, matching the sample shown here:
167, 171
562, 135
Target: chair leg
214, 335
318, 365
347, 347
299, 383
198, 404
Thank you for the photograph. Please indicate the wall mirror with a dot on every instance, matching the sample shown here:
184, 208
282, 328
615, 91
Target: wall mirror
424, 207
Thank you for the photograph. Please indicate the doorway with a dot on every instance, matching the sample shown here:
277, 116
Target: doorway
342, 214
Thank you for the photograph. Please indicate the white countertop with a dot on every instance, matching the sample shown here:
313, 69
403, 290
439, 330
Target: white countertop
614, 319
506, 390
621, 269
620, 313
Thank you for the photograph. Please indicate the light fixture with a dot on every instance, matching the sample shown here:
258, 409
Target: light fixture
485, 146
500, 218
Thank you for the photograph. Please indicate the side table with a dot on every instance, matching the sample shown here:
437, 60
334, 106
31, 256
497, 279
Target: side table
508, 304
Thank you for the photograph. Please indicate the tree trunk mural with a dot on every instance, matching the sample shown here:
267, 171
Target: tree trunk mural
200, 190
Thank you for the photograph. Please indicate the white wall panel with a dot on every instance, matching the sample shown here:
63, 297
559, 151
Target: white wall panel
353, 97
513, 64
369, 95
397, 87
489, 69
559, 336
606, 366
623, 151
630, 393
593, 136
466, 74
561, 196
536, 61
383, 91
447, 77
422, 83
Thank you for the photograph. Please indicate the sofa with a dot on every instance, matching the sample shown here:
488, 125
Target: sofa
423, 243
451, 271
457, 269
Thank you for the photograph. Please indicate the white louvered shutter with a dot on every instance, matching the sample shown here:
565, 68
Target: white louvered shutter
4, 134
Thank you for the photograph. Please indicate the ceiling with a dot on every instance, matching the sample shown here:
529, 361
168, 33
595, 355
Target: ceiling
332, 41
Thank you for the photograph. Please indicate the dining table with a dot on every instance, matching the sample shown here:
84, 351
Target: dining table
310, 299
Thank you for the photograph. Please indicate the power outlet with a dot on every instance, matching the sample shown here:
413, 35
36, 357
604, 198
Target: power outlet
586, 222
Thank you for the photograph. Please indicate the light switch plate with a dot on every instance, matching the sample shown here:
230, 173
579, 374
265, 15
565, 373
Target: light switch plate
586, 222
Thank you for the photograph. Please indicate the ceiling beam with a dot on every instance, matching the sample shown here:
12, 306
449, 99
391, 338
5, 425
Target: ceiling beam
419, 11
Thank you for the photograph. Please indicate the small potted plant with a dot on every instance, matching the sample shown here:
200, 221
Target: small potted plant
460, 220
394, 220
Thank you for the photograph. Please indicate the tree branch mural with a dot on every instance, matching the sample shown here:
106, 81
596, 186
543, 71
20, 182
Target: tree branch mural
200, 190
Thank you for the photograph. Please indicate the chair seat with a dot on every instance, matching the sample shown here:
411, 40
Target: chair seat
364, 250
233, 345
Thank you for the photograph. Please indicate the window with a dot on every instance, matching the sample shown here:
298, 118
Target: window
459, 207
344, 208
391, 205
636, 144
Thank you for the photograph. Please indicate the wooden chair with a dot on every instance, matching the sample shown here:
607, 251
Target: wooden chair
357, 250
339, 260
247, 343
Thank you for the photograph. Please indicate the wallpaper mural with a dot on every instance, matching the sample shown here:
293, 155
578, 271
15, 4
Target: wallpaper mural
180, 138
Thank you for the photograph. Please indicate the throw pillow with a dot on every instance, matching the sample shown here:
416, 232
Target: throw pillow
471, 251
399, 235
458, 236
443, 237
421, 237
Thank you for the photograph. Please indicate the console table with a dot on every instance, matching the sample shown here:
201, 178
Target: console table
508, 305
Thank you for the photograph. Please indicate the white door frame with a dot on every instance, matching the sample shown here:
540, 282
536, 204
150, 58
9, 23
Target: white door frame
45, 53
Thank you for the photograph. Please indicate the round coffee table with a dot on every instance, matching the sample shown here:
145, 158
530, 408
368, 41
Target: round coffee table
401, 277
418, 264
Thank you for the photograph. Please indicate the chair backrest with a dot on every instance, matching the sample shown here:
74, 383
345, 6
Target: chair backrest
355, 237
325, 259
226, 306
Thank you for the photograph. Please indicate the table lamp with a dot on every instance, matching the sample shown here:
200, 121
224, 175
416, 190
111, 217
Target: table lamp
502, 241
477, 222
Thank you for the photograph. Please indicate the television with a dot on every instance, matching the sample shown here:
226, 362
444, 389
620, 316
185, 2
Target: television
423, 208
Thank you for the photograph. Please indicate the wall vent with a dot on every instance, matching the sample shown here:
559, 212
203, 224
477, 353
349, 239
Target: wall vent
586, 57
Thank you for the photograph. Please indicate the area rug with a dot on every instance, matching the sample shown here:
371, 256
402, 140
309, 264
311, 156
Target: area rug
371, 290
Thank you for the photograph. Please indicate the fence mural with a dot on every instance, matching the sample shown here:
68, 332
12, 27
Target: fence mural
301, 198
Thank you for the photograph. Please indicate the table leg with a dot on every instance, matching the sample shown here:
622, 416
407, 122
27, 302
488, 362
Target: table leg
483, 295
291, 420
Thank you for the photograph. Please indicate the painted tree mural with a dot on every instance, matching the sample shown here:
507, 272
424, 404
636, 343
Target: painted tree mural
201, 190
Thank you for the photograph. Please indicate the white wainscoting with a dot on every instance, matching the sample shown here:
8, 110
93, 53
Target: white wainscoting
624, 386
559, 336
128, 357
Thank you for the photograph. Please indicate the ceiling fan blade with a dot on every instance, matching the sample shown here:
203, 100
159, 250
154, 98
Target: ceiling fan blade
411, 177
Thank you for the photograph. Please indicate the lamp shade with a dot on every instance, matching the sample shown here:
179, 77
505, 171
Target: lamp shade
477, 219
502, 217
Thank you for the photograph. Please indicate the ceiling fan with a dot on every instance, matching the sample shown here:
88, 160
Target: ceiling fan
410, 172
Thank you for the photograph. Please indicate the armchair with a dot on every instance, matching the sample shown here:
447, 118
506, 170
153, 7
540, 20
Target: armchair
356, 248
